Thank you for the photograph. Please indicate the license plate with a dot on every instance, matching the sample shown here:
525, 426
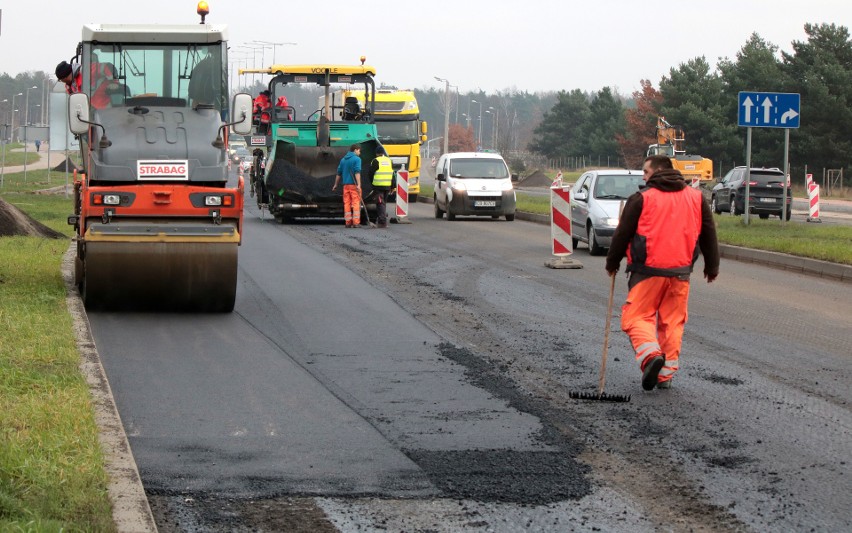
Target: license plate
768, 200
485, 203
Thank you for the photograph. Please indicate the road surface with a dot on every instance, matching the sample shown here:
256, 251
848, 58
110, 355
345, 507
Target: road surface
417, 379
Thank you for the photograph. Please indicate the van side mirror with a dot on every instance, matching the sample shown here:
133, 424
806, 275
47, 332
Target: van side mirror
241, 113
78, 113
440, 177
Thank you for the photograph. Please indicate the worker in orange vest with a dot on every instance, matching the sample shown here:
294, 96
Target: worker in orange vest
262, 105
660, 231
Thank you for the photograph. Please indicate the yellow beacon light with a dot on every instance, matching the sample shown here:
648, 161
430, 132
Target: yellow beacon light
203, 10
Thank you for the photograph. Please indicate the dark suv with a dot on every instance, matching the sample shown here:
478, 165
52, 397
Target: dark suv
766, 190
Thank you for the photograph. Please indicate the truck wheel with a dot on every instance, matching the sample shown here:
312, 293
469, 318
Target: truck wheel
510, 218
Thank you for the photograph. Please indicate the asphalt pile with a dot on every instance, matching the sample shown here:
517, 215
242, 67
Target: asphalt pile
14, 222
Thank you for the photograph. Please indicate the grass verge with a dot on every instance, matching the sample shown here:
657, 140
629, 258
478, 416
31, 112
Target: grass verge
51, 466
15, 155
816, 241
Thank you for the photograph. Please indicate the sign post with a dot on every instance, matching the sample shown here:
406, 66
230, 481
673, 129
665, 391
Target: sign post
768, 110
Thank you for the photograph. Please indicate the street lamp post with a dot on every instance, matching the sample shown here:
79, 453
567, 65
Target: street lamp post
254, 50
14, 111
3, 142
495, 130
479, 136
446, 113
27, 127
274, 45
44, 101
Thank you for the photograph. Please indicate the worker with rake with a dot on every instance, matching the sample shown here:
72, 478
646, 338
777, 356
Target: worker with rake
660, 232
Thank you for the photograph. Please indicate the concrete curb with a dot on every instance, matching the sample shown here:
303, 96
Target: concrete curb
130, 510
815, 267
823, 269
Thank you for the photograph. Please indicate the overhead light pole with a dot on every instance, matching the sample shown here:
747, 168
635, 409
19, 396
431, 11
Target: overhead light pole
45, 95
446, 113
274, 47
254, 50
479, 136
27, 127
496, 129
3, 142
14, 112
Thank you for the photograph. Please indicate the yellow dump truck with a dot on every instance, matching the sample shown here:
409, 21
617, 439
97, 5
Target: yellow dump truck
400, 130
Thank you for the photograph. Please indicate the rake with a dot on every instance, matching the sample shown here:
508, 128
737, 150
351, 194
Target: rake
601, 395
366, 214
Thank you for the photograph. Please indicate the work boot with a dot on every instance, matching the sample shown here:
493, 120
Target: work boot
652, 370
664, 384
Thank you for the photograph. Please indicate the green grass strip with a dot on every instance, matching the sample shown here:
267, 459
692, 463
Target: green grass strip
51, 467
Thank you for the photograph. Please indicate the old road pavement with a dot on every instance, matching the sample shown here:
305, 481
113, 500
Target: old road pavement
417, 378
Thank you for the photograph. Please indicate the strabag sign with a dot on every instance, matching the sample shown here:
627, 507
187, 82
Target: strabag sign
174, 169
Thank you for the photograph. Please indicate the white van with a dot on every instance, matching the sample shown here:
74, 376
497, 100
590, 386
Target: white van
473, 183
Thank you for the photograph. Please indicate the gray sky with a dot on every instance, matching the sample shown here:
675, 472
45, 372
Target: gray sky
493, 46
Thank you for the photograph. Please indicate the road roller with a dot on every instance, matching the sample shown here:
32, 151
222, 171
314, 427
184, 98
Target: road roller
157, 223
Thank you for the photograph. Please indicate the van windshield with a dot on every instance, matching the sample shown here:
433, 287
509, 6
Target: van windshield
478, 168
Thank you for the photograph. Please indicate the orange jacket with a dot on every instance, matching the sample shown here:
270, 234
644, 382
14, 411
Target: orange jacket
261, 106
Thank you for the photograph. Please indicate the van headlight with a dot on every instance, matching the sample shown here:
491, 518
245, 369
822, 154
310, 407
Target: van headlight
506, 185
458, 185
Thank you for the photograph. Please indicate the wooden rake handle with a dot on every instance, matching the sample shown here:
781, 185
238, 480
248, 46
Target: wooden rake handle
602, 381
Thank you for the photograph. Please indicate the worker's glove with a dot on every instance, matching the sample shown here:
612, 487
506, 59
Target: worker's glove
710, 277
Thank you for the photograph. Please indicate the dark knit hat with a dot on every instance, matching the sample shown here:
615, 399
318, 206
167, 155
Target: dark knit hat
63, 70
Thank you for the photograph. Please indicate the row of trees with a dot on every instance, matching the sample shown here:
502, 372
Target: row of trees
608, 126
704, 102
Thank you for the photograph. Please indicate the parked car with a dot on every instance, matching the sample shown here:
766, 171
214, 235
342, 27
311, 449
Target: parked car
766, 189
473, 183
596, 200
234, 142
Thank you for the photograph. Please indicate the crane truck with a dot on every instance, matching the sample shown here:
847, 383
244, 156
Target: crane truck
400, 130
157, 224
298, 158
696, 170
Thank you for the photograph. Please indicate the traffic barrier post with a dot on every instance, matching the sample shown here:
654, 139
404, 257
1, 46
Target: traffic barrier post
401, 197
560, 228
813, 199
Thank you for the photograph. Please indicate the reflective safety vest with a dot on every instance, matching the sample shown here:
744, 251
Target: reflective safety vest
666, 237
384, 175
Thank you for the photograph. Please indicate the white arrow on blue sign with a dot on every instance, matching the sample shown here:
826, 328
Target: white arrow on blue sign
768, 110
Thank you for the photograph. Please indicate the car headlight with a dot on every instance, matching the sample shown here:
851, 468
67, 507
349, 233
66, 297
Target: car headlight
609, 222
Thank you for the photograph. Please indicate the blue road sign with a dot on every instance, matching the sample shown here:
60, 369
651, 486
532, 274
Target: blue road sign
768, 110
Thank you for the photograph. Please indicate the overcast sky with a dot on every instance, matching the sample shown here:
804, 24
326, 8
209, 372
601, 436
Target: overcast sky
498, 45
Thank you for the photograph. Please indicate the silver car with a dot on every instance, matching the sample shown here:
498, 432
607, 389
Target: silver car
596, 203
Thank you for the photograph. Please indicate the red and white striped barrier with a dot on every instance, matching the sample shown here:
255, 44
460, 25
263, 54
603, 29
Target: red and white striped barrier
402, 196
560, 228
813, 199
